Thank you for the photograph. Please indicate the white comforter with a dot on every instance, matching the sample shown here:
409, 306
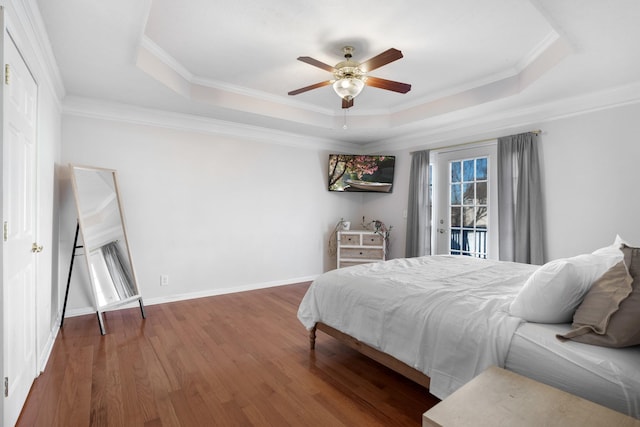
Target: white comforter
446, 316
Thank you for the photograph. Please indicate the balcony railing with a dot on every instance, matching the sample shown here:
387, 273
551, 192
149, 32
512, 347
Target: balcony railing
471, 242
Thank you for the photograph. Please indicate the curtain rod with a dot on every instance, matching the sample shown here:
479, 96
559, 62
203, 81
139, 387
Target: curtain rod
462, 144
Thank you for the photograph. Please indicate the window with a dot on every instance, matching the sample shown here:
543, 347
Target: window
468, 207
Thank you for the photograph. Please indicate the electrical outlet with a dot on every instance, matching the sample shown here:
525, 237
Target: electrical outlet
164, 280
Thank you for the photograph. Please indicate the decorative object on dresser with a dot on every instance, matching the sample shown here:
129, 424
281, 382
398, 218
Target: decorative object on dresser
360, 247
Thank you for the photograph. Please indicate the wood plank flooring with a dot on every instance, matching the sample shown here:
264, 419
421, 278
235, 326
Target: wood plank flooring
232, 360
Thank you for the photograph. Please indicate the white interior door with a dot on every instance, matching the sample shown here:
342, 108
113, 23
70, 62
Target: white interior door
19, 236
465, 201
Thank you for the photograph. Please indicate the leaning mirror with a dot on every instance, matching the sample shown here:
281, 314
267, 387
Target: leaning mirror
104, 236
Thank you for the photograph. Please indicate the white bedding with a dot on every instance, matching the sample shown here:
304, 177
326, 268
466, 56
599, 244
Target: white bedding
608, 376
446, 316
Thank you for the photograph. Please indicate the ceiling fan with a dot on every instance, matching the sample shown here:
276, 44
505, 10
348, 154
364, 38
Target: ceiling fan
350, 77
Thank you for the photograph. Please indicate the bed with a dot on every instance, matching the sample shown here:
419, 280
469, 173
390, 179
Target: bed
442, 320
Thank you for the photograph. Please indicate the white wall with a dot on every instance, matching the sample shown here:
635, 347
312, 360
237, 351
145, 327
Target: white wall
215, 213
591, 184
221, 214
389, 208
590, 188
49, 298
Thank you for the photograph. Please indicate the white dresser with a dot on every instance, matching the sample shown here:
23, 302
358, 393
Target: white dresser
360, 247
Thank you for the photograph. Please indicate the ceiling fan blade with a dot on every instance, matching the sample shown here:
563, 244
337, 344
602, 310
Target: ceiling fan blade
347, 104
309, 60
383, 59
306, 88
388, 84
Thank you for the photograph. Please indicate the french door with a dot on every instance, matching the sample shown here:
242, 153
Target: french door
465, 201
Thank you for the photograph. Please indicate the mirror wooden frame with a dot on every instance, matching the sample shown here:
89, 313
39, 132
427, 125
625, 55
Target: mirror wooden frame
105, 242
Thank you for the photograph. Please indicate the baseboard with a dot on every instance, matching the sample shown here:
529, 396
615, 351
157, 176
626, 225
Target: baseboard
193, 295
43, 356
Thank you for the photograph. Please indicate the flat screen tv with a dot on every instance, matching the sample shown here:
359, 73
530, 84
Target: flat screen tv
361, 173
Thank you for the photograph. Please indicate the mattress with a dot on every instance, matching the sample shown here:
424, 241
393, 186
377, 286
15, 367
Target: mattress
446, 316
610, 377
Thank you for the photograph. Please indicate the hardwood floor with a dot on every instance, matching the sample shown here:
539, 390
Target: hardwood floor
232, 360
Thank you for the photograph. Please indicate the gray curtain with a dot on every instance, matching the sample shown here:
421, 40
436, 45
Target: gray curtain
520, 201
118, 270
419, 210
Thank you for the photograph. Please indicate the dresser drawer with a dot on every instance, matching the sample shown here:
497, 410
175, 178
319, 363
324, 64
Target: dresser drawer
360, 247
352, 263
362, 253
350, 239
372, 240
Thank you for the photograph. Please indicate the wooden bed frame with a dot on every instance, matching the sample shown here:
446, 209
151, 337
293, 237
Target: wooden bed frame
380, 357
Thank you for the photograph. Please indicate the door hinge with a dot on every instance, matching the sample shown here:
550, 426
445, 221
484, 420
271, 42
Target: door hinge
7, 70
6, 386
5, 231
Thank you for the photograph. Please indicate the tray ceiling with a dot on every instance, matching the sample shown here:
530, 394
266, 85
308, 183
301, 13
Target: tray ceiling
236, 61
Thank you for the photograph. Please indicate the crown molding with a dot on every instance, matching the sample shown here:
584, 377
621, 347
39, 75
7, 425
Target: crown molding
29, 30
544, 56
480, 122
537, 51
195, 81
448, 127
165, 58
125, 113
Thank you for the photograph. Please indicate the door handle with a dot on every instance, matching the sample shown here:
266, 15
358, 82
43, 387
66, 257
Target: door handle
35, 248
441, 230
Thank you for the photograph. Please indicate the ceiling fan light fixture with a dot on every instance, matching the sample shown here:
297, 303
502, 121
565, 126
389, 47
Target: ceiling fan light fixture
348, 87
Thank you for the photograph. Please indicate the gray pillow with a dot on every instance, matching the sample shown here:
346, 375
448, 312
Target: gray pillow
609, 315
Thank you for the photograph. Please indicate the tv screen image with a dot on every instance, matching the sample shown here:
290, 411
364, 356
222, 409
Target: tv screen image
361, 173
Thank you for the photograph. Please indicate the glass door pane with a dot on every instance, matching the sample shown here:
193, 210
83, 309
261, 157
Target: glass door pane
464, 199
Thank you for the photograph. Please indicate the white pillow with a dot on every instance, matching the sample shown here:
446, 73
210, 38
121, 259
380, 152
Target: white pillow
612, 249
554, 291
